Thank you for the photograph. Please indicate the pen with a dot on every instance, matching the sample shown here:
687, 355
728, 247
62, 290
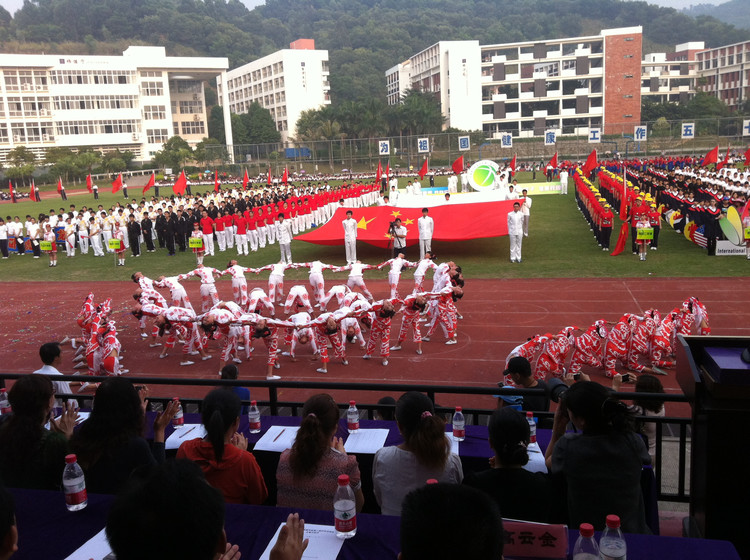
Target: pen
278, 436
186, 433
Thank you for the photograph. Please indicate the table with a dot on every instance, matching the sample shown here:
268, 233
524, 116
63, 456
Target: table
48, 530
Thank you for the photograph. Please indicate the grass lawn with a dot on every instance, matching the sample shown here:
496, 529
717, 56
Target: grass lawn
559, 245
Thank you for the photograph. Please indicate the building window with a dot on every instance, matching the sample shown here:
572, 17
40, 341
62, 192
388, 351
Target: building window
628, 56
152, 88
151, 74
157, 135
154, 112
193, 127
628, 76
191, 107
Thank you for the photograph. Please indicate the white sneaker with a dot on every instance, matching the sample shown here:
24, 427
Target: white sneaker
236, 360
144, 335
194, 353
345, 362
123, 371
204, 358
240, 348
277, 365
286, 353
274, 377
385, 361
187, 363
321, 370
366, 357
394, 348
425, 339
452, 341
419, 351
154, 345
162, 356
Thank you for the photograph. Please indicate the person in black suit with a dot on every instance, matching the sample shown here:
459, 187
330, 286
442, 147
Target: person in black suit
147, 227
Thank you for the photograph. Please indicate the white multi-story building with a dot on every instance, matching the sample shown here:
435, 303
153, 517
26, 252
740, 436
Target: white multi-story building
725, 73
134, 102
450, 70
286, 83
671, 77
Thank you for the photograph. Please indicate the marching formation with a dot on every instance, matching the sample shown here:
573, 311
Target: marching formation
251, 315
641, 343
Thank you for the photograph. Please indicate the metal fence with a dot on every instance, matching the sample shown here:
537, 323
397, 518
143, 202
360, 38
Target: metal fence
670, 465
404, 155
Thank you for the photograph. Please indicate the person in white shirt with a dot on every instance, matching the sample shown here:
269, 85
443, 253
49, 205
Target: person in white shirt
394, 196
4, 238
95, 231
515, 232
417, 187
356, 279
34, 232
51, 355
465, 182
398, 234
394, 274
284, 235
17, 227
453, 184
350, 237
525, 210
423, 266
426, 226
70, 238
563, 181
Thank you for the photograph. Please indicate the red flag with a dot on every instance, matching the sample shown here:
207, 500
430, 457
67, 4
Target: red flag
34, 194
723, 162
553, 161
590, 164
513, 166
422, 172
151, 183
621, 240
180, 184
624, 199
747, 158
285, 176
12, 192
468, 221
379, 172
711, 157
59, 184
216, 180
245, 181
269, 175
458, 165
117, 183
89, 184
388, 169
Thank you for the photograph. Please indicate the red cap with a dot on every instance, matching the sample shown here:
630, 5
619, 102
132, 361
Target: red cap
253, 403
70, 459
352, 403
459, 409
343, 480
613, 521
432, 481
586, 530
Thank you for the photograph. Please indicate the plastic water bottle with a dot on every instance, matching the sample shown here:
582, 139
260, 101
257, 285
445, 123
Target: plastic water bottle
4, 403
178, 419
352, 418
532, 426
586, 547
253, 417
74, 484
344, 509
459, 429
612, 545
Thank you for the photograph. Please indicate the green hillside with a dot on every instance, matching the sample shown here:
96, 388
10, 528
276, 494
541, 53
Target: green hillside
734, 12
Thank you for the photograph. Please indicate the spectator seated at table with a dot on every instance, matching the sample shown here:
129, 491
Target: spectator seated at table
519, 370
231, 372
450, 521
110, 443
32, 456
599, 467
222, 455
8, 530
386, 409
520, 494
425, 454
307, 475
647, 384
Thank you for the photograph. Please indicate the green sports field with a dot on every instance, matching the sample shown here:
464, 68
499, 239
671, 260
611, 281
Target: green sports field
559, 245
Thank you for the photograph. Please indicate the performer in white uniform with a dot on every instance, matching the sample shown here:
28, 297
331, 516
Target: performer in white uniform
350, 237
426, 226
515, 232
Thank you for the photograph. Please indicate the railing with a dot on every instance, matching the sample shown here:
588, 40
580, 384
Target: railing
476, 416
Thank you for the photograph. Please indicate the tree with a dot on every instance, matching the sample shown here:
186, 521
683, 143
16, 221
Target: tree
21, 162
174, 153
208, 151
421, 113
261, 126
216, 124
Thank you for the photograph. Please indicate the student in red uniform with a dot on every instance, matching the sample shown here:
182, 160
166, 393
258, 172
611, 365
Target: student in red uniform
654, 218
207, 228
606, 219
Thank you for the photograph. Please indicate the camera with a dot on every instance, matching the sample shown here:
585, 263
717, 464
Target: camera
576, 376
556, 388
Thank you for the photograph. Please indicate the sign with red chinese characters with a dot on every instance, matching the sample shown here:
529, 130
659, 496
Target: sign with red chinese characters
534, 540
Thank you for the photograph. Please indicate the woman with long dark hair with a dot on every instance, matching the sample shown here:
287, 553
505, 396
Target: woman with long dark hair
307, 475
222, 454
110, 443
425, 454
32, 456
600, 465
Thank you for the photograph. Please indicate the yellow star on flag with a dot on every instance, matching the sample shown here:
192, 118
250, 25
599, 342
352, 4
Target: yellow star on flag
362, 223
408, 222
395, 214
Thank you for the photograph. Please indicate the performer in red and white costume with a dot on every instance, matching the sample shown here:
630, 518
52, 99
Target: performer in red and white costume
526, 350
119, 235
176, 290
616, 346
266, 329
554, 353
394, 274
380, 333
587, 348
317, 282
297, 297
239, 282
111, 347
640, 340
199, 252
446, 313
414, 304
294, 337
259, 302
356, 278
276, 280
217, 324
422, 267
351, 332
181, 322
206, 274
700, 313
326, 329
146, 295
339, 291
661, 342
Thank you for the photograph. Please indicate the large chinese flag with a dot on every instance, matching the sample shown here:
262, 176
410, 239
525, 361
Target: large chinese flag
453, 222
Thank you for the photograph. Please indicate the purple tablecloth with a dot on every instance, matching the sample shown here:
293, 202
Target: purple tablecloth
47, 530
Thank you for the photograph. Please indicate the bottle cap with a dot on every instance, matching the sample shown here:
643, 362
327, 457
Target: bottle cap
70, 459
253, 403
529, 414
586, 530
352, 403
459, 408
343, 480
432, 481
613, 521
175, 398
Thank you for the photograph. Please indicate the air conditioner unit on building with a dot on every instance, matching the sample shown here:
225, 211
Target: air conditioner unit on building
16, 138
135, 137
43, 112
196, 118
26, 86
195, 97
45, 137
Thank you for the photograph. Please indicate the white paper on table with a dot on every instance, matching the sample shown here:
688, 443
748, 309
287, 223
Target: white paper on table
184, 433
82, 417
366, 441
536, 459
277, 438
324, 545
454, 442
96, 548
